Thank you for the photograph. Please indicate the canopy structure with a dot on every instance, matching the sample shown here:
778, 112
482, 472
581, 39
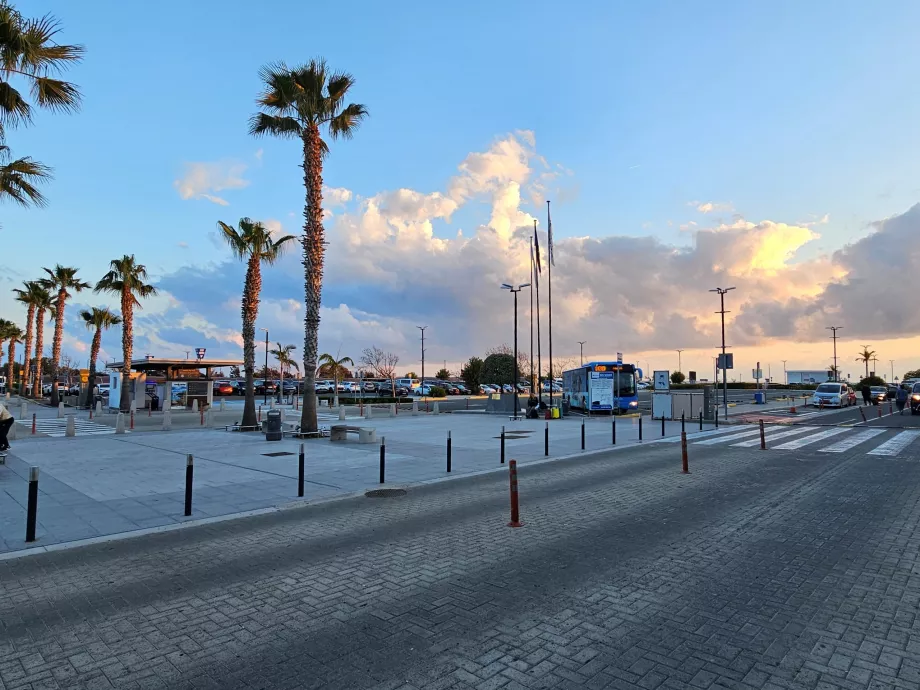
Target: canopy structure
170, 382
170, 368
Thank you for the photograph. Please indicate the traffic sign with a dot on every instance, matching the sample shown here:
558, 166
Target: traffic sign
726, 361
199, 352
662, 382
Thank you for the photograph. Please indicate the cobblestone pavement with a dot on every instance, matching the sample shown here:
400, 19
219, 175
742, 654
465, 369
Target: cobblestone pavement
779, 569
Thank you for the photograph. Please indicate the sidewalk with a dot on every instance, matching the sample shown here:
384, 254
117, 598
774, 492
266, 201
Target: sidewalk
98, 485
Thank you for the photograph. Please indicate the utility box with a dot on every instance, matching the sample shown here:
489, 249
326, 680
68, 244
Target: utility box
273, 426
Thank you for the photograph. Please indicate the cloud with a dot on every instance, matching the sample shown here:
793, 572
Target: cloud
182, 245
201, 180
336, 196
712, 206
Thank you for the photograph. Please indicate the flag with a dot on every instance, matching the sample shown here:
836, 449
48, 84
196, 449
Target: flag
549, 233
533, 268
536, 241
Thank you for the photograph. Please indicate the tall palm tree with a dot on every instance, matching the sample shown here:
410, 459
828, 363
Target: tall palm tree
297, 103
252, 243
327, 361
97, 319
4, 327
43, 302
866, 356
62, 281
28, 294
13, 334
126, 278
283, 354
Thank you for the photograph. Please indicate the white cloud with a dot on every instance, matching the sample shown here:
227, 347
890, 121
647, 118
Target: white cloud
201, 180
712, 206
182, 245
336, 196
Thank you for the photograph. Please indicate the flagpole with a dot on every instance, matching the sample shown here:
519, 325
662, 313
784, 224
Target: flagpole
549, 298
537, 281
531, 318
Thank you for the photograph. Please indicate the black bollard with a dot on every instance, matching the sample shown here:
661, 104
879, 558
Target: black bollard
448, 452
717, 418
383, 458
613, 430
682, 429
546, 440
640, 427
582, 434
662, 424
189, 475
503, 446
32, 506
300, 472
701, 420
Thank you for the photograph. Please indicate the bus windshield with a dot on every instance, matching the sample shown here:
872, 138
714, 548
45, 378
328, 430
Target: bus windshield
624, 384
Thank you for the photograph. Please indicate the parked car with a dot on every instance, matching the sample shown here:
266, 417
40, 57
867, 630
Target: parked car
915, 399
265, 388
879, 393
386, 390
643, 385
449, 388
892, 391
830, 395
223, 388
103, 389
62, 388
370, 387
289, 386
324, 387
463, 389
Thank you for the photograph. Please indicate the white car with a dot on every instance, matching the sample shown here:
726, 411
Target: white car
830, 395
643, 385
424, 389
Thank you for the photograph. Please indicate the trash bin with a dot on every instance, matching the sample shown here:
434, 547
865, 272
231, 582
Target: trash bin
273, 426
154, 403
760, 398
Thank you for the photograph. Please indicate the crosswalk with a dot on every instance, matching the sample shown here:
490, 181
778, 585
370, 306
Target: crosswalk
57, 428
875, 442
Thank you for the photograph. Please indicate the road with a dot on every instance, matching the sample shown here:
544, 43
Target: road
759, 569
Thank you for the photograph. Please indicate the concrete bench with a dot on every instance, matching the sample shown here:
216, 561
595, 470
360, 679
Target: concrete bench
293, 429
366, 434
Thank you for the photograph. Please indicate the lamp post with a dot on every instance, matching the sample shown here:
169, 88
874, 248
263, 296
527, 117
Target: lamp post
722, 292
517, 376
422, 329
679, 368
834, 330
581, 346
785, 375
265, 380
892, 368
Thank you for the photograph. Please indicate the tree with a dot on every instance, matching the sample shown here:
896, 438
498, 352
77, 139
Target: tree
442, 375
336, 367
126, 278
913, 374
30, 51
871, 381
383, 364
296, 104
251, 243
12, 333
283, 354
4, 327
28, 294
497, 368
470, 373
410, 375
43, 303
97, 319
235, 371
833, 373
61, 280
677, 377
866, 356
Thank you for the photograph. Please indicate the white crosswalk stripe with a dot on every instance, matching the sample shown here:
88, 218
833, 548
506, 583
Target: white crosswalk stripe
774, 434
729, 437
896, 444
57, 428
852, 441
691, 437
813, 438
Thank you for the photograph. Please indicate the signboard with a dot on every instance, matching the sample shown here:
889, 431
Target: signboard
726, 361
619, 357
198, 389
692, 376
178, 393
757, 373
601, 390
84, 378
662, 382
199, 352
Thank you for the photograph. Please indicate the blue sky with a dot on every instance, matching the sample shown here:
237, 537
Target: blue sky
782, 111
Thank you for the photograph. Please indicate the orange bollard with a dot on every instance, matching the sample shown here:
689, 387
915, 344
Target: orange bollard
515, 508
201, 412
33, 423
132, 419
879, 410
91, 413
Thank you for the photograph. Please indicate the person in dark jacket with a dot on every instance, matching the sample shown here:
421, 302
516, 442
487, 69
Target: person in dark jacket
867, 394
901, 399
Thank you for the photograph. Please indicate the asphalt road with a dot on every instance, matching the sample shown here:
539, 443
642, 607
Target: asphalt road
852, 416
759, 569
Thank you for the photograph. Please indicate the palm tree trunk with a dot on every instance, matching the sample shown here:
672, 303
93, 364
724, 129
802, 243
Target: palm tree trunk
251, 291
56, 345
93, 356
39, 346
314, 249
127, 345
9, 365
30, 319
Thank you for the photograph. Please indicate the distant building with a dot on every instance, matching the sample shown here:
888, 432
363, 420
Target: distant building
808, 376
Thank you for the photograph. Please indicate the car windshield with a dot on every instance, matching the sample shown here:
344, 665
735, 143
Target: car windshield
877, 389
828, 388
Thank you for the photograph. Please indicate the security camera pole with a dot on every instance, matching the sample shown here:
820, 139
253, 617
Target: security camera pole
834, 336
517, 376
722, 292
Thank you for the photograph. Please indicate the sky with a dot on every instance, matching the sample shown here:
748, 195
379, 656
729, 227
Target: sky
771, 147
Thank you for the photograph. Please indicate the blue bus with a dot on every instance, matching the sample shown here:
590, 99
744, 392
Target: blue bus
602, 387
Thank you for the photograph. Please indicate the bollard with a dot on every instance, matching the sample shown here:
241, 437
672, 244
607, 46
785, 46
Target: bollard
33, 424
613, 431
209, 420
370, 412
32, 506
223, 405
300, 473
682, 429
341, 413
60, 413
879, 410
448, 452
862, 413
503, 446
701, 420
195, 405
132, 420
436, 409
662, 424
890, 407
717, 418
763, 440
120, 423
392, 409
383, 458
189, 473
71, 426
546, 440
515, 508
640, 427
149, 410
582, 434
685, 464
98, 407
200, 414
260, 415
415, 408
23, 410
167, 420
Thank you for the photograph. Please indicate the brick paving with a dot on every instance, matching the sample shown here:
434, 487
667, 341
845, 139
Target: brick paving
757, 570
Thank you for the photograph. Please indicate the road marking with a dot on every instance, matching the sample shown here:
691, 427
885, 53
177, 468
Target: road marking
723, 439
57, 428
699, 434
851, 441
807, 440
896, 444
771, 437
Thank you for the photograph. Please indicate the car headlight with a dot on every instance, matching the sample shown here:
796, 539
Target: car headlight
634, 404
915, 397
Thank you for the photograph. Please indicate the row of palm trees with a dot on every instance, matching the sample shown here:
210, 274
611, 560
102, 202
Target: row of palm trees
49, 296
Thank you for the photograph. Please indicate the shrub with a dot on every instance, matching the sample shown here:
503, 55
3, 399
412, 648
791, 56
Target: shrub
497, 369
677, 377
438, 392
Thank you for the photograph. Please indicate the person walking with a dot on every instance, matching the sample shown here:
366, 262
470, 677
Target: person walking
867, 394
6, 421
901, 399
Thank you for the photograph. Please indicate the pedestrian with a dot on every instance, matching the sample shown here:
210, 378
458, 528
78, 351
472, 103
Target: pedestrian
901, 399
6, 421
867, 394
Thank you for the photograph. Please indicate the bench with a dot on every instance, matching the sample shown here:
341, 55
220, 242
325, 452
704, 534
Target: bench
366, 434
293, 429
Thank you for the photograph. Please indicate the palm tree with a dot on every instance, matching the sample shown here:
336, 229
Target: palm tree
12, 333
126, 278
252, 243
335, 366
4, 327
19, 177
61, 280
866, 356
43, 302
297, 103
97, 320
283, 354
28, 295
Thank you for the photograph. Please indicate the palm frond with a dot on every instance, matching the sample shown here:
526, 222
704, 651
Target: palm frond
41, 52
346, 122
17, 181
234, 239
56, 95
14, 109
274, 249
337, 88
279, 126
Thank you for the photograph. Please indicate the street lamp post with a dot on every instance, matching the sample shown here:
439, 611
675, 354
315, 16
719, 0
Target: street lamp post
892, 368
722, 292
422, 329
265, 380
581, 346
517, 376
679, 368
785, 375
834, 330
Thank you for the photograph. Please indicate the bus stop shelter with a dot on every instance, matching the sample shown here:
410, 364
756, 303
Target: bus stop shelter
176, 383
